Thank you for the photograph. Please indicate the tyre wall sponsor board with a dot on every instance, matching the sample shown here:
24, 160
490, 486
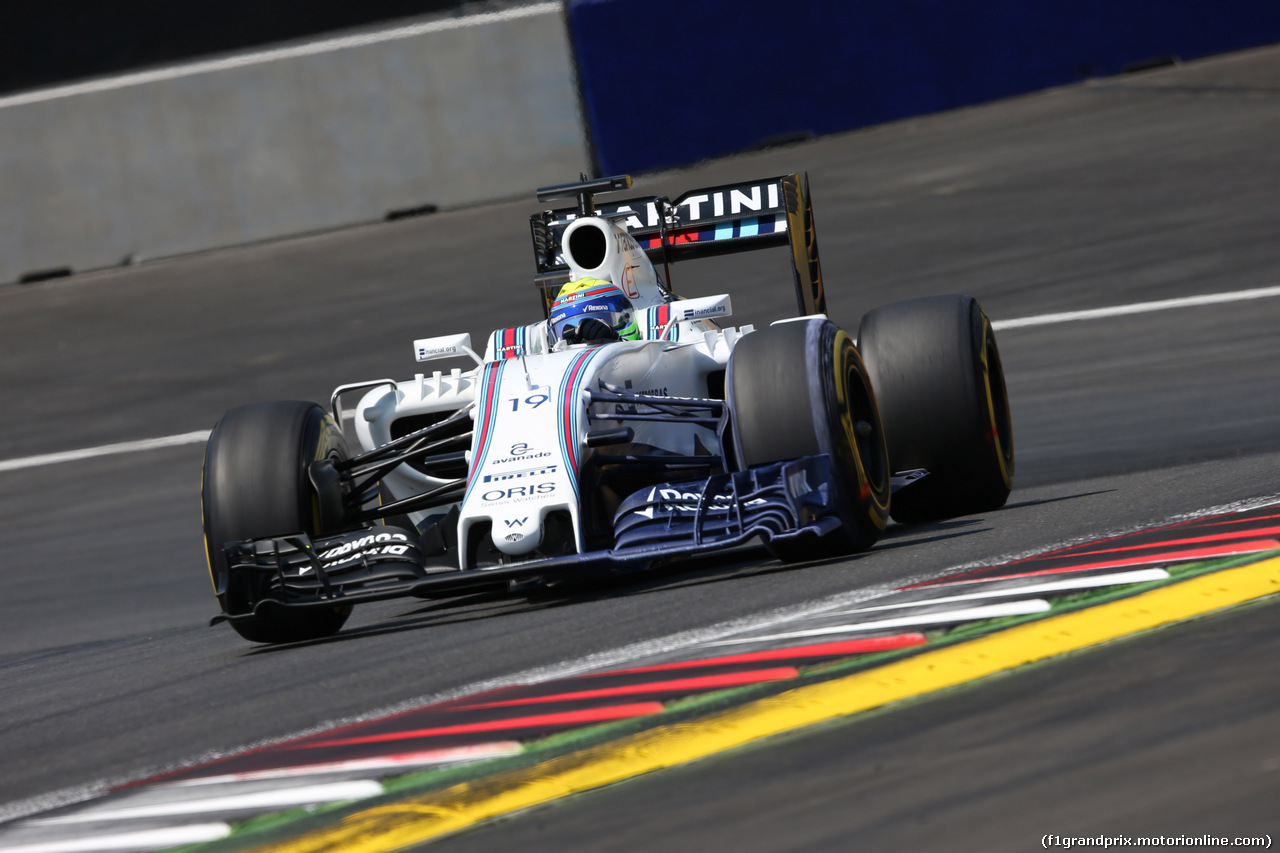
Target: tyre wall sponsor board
669, 82
297, 139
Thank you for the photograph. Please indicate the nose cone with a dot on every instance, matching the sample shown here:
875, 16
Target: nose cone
516, 537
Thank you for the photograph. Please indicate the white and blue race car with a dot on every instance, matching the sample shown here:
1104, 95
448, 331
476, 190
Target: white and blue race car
665, 433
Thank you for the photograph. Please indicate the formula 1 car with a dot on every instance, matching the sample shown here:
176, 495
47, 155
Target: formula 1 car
547, 460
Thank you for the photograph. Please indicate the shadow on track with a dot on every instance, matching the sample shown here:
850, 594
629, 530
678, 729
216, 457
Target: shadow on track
716, 568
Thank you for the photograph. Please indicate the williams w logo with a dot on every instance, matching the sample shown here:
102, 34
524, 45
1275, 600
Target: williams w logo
515, 522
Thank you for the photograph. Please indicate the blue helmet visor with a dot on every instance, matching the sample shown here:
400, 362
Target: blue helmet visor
580, 323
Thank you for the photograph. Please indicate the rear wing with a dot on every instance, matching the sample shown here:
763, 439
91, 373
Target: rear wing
701, 223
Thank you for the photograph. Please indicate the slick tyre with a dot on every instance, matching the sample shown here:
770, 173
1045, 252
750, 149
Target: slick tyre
800, 389
938, 379
256, 485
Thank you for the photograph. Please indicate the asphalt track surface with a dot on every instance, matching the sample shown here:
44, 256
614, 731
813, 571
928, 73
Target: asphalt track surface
1128, 190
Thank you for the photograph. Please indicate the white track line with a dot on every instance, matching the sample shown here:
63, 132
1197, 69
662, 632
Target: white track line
192, 69
1137, 308
1063, 585
1020, 323
303, 795
146, 839
198, 437
970, 614
453, 755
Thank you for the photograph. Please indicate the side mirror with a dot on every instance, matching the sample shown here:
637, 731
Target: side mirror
702, 308
445, 346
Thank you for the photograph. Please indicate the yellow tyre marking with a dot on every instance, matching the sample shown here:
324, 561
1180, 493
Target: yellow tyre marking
418, 819
1001, 450
878, 509
204, 536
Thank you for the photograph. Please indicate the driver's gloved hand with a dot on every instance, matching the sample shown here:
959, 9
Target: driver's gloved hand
591, 331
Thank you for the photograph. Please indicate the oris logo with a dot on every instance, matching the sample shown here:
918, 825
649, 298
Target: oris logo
516, 493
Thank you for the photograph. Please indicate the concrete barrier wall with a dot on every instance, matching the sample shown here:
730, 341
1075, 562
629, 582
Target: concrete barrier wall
334, 133
53, 42
669, 82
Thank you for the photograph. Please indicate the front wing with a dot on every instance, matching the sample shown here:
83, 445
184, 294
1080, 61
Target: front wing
776, 502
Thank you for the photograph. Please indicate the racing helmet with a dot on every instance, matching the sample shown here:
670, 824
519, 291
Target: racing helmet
591, 310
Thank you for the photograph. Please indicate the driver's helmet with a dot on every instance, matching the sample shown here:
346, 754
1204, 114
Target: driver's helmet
591, 310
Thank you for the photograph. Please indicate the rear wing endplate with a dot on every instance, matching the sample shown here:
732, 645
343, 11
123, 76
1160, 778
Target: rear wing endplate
701, 223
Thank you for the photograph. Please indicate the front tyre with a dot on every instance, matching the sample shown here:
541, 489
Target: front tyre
800, 389
256, 485
940, 385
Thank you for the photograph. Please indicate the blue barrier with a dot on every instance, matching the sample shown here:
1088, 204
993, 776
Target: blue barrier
670, 82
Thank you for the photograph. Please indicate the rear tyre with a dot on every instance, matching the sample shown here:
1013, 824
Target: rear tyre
937, 375
800, 389
256, 485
